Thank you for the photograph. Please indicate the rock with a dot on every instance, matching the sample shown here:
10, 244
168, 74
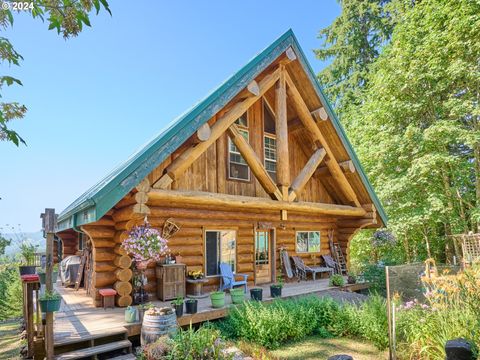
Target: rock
340, 357
459, 349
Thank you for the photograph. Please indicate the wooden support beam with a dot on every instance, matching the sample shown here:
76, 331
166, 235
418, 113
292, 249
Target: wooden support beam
320, 114
347, 167
180, 164
254, 162
158, 196
253, 88
203, 133
301, 180
281, 129
309, 123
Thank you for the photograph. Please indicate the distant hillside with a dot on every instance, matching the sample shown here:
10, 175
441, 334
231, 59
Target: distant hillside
35, 238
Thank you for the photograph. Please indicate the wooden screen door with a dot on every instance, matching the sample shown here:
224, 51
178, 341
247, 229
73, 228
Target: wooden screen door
263, 256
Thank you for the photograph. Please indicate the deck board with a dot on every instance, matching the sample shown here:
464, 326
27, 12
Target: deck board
78, 317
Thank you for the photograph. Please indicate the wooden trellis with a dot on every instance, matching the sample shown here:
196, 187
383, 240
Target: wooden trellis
470, 247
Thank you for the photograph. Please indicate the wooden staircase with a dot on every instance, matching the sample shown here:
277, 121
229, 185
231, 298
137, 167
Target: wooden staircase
111, 344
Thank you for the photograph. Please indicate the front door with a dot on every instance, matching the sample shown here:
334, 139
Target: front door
263, 256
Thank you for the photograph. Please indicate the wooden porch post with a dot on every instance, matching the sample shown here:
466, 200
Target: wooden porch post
49, 222
283, 164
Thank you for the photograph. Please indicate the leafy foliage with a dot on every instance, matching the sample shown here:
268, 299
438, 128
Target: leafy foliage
450, 311
271, 325
336, 280
11, 290
67, 17
190, 344
405, 78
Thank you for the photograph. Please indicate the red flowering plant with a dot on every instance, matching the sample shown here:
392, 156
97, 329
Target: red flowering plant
145, 244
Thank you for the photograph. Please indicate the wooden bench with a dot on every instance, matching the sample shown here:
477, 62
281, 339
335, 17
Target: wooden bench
108, 297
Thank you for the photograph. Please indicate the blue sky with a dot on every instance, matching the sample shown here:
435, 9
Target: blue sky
95, 99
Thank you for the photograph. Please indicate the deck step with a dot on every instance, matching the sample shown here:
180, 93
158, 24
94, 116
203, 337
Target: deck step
124, 357
94, 350
92, 335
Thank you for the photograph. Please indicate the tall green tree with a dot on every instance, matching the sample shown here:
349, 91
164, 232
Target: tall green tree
65, 16
417, 130
352, 43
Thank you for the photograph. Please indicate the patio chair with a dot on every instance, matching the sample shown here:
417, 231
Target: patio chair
332, 264
302, 269
227, 280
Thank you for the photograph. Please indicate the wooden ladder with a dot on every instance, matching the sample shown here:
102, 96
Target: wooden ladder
338, 256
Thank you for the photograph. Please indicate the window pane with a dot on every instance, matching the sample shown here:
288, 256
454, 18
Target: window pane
302, 241
268, 120
242, 120
239, 171
314, 241
238, 168
261, 247
270, 148
228, 247
211, 249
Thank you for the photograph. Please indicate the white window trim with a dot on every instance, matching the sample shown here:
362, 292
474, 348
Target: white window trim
205, 251
308, 231
241, 128
271, 136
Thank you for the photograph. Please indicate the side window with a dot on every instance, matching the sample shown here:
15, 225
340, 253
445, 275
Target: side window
220, 247
308, 241
237, 166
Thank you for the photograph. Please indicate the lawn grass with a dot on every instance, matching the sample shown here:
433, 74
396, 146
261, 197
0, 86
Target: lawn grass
10, 342
317, 348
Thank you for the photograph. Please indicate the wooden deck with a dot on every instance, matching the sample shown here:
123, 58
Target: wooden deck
78, 317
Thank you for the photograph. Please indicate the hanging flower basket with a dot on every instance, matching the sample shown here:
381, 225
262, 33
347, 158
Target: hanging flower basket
145, 244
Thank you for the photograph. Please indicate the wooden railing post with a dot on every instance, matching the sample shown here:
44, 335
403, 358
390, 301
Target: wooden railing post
49, 223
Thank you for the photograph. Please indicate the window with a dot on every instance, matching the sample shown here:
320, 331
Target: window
220, 247
269, 141
237, 166
270, 154
308, 241
261, 247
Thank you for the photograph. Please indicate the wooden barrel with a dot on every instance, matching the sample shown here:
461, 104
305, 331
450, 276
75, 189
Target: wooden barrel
155, 326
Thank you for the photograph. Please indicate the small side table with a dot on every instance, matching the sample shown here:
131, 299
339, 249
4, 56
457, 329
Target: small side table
197, 287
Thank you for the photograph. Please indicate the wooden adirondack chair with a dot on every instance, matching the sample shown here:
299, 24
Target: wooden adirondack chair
332, 264
227, 281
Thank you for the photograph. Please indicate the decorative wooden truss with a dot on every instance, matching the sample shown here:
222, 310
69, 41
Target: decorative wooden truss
285, 192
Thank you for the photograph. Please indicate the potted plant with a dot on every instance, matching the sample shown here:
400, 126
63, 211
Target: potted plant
256, 294
27, 251
50, 301
276, 289
218, 299
336, 280
178, 305
42, 275
195, 274
191, 306
142, 308
237, 295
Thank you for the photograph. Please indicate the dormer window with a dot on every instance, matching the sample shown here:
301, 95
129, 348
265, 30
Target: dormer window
237, 166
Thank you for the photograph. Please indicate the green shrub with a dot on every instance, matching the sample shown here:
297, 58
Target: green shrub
336, 280
11, 290
375, 274
204, 343
272, 324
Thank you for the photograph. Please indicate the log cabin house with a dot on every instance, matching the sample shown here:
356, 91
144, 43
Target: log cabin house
260, 164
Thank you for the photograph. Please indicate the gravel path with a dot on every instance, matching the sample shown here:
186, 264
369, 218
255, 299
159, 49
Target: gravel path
344, 296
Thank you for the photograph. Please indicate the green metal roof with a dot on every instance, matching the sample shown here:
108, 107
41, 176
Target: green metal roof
101, 197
